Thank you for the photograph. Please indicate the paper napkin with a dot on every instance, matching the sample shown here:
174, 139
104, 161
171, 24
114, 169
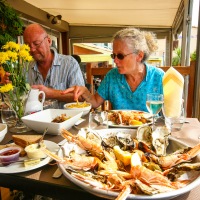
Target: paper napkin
173, 83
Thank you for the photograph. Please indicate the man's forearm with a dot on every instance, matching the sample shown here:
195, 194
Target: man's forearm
56, 94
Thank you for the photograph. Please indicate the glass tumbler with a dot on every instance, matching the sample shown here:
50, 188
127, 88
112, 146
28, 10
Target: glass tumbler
8, 116
98, 120
175, 123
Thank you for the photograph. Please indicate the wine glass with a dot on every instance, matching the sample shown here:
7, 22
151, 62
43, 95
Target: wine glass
154, 104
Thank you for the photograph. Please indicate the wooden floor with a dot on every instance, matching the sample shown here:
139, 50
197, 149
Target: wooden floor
6, 194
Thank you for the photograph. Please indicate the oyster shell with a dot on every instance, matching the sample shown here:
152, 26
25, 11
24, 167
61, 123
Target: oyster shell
144, 134
125, 140
110, 141
91, 135
118, 139
160, 140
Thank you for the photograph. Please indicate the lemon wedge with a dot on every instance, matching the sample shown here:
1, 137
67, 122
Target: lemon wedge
135, 122
123, 156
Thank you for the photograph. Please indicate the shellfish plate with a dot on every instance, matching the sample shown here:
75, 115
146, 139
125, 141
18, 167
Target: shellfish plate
128, 118
173, 146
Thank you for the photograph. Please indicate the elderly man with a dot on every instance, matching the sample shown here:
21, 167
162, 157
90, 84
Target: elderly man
50, 72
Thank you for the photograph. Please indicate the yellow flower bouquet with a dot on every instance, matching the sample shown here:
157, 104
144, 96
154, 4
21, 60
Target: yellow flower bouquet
15, 58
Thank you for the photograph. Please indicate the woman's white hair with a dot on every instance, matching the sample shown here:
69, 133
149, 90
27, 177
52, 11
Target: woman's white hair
138, 41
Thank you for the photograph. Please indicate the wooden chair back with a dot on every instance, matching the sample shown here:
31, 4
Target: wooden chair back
187, 72
92, 70
95, 71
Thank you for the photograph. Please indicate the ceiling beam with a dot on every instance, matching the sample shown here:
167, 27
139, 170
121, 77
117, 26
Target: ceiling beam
36, 15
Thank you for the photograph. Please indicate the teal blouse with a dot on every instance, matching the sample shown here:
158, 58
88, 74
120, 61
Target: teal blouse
115, 88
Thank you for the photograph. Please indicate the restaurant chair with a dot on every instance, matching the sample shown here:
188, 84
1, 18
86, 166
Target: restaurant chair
188, 73
92, 69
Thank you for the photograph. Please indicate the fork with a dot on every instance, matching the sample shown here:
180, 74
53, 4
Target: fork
45, 131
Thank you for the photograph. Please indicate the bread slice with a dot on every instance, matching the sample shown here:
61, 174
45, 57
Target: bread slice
25, 140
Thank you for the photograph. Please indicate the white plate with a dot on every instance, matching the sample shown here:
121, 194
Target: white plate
146, 115
174, 144
19, 167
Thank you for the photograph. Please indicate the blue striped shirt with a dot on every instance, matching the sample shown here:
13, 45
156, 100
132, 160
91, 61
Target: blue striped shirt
65, 72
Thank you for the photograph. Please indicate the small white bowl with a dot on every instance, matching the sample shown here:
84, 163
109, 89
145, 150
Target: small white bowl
34, 153
3, 131
9, 155
85, 110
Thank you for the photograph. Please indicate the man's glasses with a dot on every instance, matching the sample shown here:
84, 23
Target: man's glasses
36, 45
120, 56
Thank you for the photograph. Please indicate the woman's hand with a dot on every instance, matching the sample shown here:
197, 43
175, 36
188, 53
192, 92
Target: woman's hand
78, 91
81, 93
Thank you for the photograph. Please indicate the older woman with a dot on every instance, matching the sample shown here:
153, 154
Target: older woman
127, 85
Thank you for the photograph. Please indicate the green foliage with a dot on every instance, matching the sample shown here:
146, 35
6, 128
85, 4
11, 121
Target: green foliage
193, 56
11, 25
176, 60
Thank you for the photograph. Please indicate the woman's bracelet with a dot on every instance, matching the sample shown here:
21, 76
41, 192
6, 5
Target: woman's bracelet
88, 97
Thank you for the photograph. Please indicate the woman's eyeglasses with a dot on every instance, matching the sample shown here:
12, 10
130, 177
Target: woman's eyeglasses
120, 56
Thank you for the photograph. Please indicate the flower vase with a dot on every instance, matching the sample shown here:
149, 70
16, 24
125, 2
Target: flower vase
17, 101
15, 59
20, 127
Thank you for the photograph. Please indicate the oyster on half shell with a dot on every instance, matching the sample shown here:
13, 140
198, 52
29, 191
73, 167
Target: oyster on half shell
144, 134
110, 141
90, 135
158, 139
125, 140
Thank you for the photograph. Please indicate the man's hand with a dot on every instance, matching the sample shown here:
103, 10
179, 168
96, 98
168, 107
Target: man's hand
51, 93
5, 79
48, 91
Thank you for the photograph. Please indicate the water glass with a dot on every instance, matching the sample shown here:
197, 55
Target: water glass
98, 120
175, 123
8, 116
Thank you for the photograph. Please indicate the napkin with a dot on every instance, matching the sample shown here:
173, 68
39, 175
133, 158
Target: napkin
173, 83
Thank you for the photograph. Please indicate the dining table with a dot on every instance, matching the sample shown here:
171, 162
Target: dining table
40, 181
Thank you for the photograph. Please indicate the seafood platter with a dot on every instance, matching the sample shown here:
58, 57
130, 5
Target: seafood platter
129, 163
128, 118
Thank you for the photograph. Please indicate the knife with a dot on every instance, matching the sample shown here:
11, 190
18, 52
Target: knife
57, 173
62, 142
20, 161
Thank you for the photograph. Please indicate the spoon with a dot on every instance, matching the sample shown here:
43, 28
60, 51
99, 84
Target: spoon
45, 131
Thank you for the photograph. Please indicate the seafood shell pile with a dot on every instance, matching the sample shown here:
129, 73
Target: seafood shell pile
127, 163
